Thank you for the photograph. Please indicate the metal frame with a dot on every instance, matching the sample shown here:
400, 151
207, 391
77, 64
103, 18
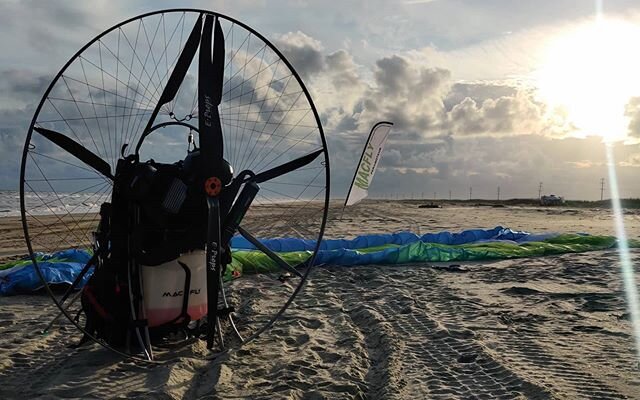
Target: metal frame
25, 152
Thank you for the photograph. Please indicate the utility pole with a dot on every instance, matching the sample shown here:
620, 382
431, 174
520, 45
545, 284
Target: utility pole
449, 195
540, 191
601, 189
470, 192
422, 196
434, 195
498, 192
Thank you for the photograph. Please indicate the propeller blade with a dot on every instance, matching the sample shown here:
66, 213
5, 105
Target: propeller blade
287, 167
214, 267
77, 150
177, 75
210, 81
211, 152
273, 256
217, 69
182, 65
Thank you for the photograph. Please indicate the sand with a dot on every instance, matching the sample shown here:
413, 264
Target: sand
552, 327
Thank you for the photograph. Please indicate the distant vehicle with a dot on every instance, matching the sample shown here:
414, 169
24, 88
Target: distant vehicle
551, 200
430, 205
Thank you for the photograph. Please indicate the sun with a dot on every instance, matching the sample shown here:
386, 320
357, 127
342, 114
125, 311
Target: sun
591, 73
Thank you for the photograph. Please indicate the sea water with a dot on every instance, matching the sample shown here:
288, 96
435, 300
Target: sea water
47, 203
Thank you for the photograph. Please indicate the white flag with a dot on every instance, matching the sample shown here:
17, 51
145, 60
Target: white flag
368, 163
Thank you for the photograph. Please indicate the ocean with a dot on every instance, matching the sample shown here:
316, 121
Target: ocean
46, 203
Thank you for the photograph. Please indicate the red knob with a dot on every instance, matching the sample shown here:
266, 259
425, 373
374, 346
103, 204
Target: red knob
212, 186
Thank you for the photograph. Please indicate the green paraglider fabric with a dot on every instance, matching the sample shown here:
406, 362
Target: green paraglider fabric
63, 266
247, 262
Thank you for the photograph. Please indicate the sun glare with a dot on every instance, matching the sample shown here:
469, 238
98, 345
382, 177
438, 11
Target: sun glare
590, 73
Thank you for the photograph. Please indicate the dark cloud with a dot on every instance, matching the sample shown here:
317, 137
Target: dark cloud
13, 132
339, 92
23, 84
347, 123
64, 13
396, 77
413, 155
20, 92
392, 74
50, 31
304, 53
408, 94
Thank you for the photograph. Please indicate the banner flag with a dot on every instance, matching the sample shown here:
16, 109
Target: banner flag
368, 163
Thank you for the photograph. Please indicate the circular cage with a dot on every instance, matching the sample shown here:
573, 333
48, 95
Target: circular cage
139, 92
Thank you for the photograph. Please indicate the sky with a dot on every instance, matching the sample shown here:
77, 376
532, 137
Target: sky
483, 94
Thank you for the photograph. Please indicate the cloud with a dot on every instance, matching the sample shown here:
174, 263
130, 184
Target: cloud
397, 64
632, 111
13, 129
304, 53
407, 94
584, 164
477, 91
445, 133
516, 164
424, 102
45, 34
20, 92
631, 161
338, 92
23, 83
343, 70
506, 115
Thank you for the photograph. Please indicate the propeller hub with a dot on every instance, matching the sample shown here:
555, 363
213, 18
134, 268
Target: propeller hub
213, 186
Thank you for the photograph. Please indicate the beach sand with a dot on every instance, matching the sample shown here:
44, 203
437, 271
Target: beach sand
551, 327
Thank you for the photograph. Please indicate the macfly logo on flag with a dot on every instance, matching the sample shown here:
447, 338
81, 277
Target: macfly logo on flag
368, 163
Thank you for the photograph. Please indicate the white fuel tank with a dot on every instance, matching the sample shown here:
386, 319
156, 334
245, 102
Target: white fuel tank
163, 287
